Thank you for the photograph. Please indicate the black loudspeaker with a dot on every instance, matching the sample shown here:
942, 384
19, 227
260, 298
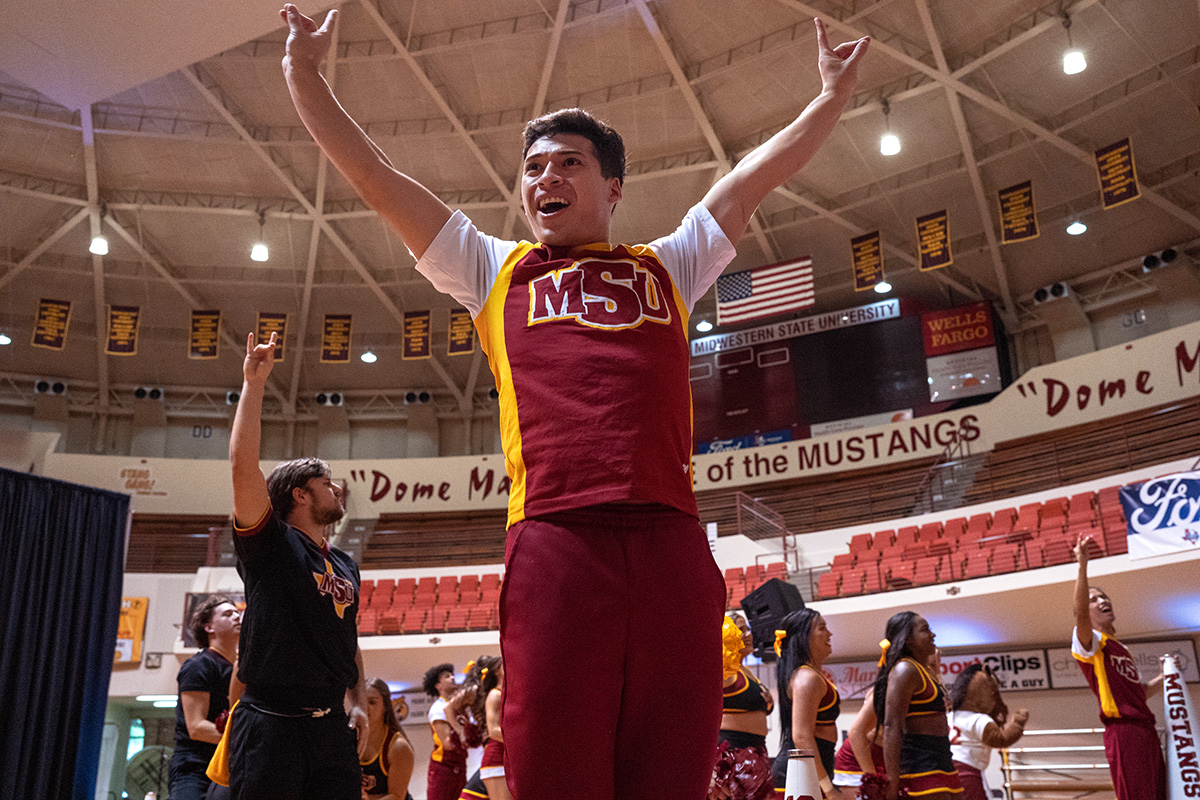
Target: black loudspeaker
764, 608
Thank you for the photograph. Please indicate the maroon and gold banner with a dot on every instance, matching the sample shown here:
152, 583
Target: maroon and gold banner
461, 334
416, 336
335, 339
958, 329
269, 323
1118, 175
1018, 215
866, 258
50, 328
933, 240
204, 338
122, 330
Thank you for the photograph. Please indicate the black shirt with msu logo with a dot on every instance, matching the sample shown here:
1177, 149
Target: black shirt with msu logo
300, 628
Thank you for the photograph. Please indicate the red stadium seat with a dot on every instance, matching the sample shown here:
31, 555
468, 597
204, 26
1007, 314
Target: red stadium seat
457, 619
1002, 521
955, 527
368, 622
865, 558
365, 589
391, 623
381, 597
884, 539
916, 551
405, 588
436, 620
1004, 558
1057, 550
447, 589
979, 524
852, 582
930, 531
907, 535
776, 569
871, 580
414, 621
978, 563
843, 561
900, 576
926, 570
828, 585
860, 542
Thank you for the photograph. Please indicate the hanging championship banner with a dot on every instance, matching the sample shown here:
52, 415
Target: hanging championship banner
416, 336
131, 628
462, 333
122, 330
1162, 515
1183, 733
269, 323
1118, 176
204, 337
1018, 216
335, 339
933, 240
866, 258
50, 327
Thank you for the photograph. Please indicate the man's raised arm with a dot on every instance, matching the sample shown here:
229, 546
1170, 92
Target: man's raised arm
415, 212
734, 199
250, 498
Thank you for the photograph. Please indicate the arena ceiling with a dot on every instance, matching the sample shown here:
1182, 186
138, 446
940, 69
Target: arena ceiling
174, 121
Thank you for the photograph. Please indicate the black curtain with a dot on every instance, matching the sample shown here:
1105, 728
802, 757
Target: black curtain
62, 554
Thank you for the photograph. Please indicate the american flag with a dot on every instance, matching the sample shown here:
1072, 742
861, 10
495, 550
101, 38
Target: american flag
765, 291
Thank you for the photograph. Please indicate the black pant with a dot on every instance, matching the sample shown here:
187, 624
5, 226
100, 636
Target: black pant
276, 757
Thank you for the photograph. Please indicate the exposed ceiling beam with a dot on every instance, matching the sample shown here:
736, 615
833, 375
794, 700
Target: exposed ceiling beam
436, 95
982, 206
539, 106
196, 302
701, 118
98, 295
996, 107
33, 255
225, 108
314, 243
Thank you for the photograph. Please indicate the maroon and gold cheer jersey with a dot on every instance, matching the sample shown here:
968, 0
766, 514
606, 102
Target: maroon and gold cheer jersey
589, 350
1111, 672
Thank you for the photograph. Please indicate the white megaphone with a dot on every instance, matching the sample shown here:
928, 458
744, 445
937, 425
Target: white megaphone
1182, 751
802, 783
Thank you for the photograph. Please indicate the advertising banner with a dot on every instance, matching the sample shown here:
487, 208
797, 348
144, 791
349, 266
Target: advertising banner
1162, 515
967, 374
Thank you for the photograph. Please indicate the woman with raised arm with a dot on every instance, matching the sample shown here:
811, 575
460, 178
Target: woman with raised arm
911, 706
809, 703
1130, 739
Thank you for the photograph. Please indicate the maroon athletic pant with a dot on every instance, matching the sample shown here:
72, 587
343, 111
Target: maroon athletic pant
1135, 760
610, 627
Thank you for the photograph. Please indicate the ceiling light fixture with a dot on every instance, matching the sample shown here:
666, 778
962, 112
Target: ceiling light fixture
883, 287
5, 339
99, 245
1076, 228
369, 357
259, 251
889, 143
1073, 60
704, 326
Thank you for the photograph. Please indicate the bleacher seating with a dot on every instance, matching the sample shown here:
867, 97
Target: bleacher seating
1030, 536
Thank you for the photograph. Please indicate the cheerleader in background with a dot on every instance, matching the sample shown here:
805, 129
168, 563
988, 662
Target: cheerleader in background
743, 768
386, 774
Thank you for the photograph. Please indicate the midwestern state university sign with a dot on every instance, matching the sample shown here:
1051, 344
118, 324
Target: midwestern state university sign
1151, 371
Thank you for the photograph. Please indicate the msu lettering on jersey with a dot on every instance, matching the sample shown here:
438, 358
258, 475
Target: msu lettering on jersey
589, 352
